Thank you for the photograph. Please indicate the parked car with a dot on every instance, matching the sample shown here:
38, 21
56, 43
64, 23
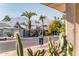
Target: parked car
6, 38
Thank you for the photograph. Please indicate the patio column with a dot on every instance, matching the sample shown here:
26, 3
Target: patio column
72, 25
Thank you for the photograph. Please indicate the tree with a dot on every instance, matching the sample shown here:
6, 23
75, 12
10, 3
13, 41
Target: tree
62, 28
64, 18
37, 23
28, 15
42, 20
50, 28
6, 18
54, 26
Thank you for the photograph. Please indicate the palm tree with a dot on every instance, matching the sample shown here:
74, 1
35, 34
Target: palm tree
28, 15
37, 27
6, 18
42, 20
37, 23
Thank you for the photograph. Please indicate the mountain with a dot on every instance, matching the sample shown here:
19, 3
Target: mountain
19, 19
24, 19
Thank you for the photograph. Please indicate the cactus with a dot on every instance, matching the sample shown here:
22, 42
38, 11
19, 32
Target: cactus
42, 52
64, 45
36, 53
29, 52
56, 48
70, 49
19, 47
52, 47
60, 47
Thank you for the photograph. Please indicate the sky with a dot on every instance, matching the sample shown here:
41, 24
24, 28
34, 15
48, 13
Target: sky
14, 10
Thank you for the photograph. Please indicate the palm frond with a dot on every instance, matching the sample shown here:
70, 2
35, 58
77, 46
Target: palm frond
42, 17
28, 14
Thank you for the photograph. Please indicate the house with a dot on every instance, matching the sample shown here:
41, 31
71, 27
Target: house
7, 29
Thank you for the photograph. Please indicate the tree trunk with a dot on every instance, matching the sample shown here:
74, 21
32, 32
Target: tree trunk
42, 28
29, 28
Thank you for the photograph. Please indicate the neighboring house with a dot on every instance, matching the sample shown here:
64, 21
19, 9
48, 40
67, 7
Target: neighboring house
7, 29
23, 30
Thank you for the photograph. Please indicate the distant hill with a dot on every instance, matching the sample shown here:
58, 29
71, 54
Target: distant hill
24, 19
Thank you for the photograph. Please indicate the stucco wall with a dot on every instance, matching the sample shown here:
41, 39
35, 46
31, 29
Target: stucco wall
72, 25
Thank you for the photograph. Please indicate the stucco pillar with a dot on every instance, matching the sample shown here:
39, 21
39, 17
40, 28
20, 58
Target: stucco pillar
72, 25
77, 28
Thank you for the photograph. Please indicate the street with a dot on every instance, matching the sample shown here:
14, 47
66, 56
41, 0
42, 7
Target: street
9, 45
